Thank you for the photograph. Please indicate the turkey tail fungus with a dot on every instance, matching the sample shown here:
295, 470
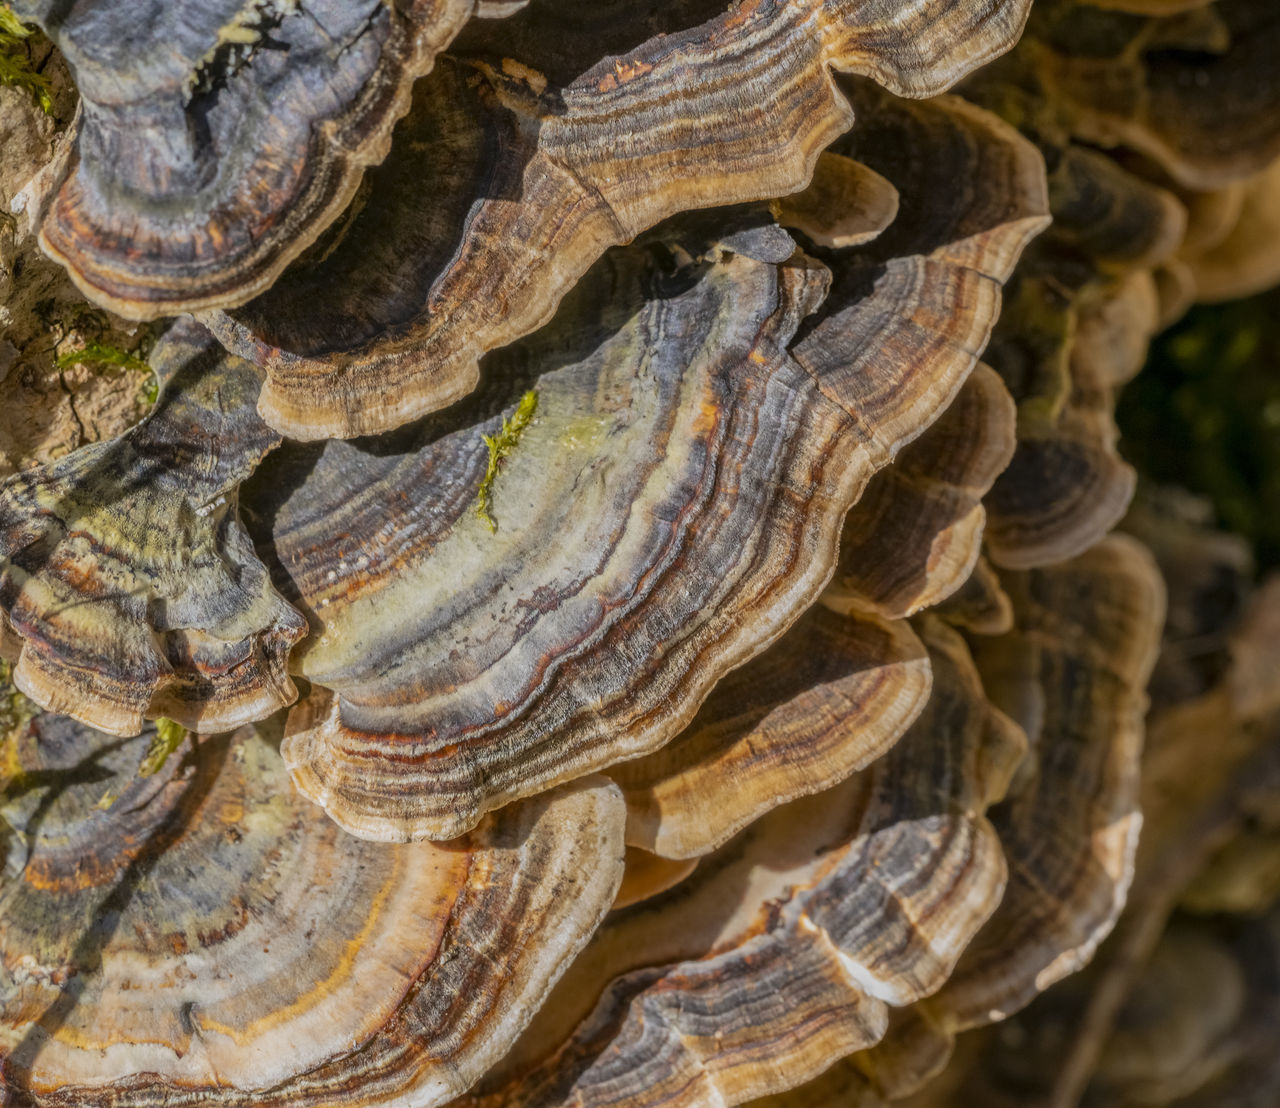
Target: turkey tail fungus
558, 553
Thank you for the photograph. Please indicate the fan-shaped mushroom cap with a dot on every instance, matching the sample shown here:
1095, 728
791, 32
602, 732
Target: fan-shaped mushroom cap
646, 874
845, 204
211, 938
1211, 216
918, 1047
1247, 259
1114, 217
915, 535
1067, 486
782, 950
1079, 315
1198, 94
841, 1086
994, 181
1206, 995
625, 574
128, 587
980, 605
1158, 1018
1255, 654
1073, 673
454, 255
1177, 778
1176, 290
1209, 575
831, 696
218, 138
672, 507
915, 1049
1211, 769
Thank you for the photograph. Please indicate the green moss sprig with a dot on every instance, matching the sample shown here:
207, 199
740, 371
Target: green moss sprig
15, 66
105, 358
500, 445
168, 737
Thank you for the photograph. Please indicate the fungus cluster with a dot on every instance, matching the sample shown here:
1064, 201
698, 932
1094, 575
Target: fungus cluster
1180, 1002
633, 648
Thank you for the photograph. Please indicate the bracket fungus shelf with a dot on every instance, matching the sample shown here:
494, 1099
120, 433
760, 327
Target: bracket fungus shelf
128, 586
450, 256
673, 507
211, 938
217, 138
611, 599
786, 947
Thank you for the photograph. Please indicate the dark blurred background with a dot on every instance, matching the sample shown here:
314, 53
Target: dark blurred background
1205, 414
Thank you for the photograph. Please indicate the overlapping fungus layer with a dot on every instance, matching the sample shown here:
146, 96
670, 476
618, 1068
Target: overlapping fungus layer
714, 680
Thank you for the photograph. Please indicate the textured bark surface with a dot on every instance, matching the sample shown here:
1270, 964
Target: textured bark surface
49, 410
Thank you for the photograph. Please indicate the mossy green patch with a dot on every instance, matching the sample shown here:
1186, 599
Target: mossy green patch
500, 445
168, 737
15, 63
105, 358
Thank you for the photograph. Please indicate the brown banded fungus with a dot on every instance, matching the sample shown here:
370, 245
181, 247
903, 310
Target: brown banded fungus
1073, 673
1081, 309
846, 203
1208, 574
672, 507
217, 138
506, 184
915, 536
1183, 104
830, 697
787, 947
1211, 779
210, 938
980, 606
1067, 485
1246, 258
1084, 279
1178, 1006
617, 489
128, 587
1197, 1028
1195, 93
